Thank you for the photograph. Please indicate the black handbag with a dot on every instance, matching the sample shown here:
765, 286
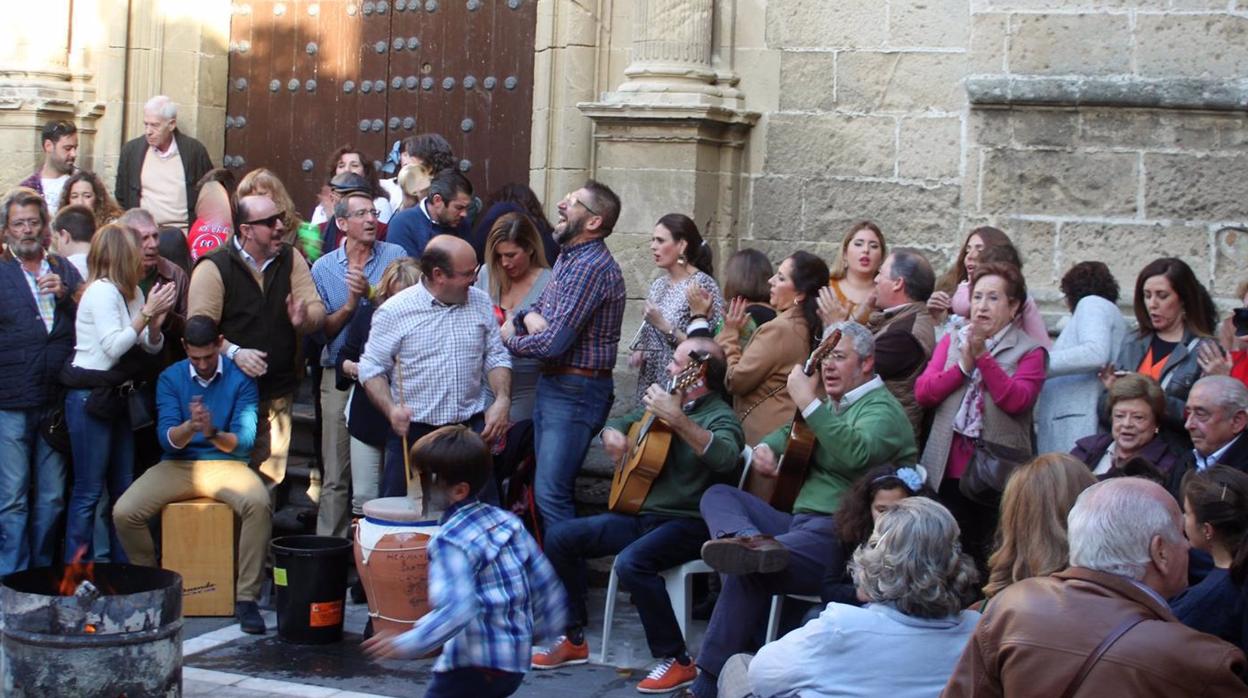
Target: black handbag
989, 469
139, 405
55, 430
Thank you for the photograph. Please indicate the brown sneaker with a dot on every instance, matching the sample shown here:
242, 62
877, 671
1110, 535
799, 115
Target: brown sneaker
668, 676
748, 555
562, 653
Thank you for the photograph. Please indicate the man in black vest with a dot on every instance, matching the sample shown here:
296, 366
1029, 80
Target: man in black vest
261, 294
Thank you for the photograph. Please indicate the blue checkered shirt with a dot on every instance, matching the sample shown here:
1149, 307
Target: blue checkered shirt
492, 593
46, 302
329, 273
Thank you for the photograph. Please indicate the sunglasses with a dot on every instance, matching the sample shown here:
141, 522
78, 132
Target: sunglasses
268, 222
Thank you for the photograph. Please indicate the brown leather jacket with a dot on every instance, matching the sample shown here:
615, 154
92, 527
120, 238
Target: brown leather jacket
757, 375
1036, 634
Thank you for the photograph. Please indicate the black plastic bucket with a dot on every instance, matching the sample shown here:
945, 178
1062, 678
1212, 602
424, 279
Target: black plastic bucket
310, 576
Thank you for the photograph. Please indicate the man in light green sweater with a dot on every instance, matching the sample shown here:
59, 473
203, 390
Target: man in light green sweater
762, 551
668, 531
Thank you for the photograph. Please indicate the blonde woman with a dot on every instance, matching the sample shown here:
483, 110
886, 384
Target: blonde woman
113, 317
1031, 535
367, 427
515, 274
852, 281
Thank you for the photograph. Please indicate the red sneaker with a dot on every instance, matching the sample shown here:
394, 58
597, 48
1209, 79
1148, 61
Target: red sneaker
562, 653
668, 676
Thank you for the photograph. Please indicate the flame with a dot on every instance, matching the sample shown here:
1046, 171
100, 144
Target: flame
76, 572
89, 629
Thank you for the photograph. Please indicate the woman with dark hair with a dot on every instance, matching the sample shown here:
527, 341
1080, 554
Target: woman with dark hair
1136, 406
679, 250
878, 490
1090, 340
512, 197
350, 159
758, 372
1215, 519
1176, 315
952, 299
84, 188
515, 274
982, 383
852, 282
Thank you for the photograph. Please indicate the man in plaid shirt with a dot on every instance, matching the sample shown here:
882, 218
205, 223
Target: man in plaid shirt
575, 329
491, 589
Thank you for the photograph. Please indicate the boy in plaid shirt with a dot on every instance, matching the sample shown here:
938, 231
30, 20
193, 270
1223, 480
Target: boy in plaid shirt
491, 589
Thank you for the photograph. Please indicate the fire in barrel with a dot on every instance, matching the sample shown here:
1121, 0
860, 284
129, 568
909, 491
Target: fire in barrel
90, 630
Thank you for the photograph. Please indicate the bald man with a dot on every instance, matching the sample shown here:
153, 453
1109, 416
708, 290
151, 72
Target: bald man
447, 344
261, 294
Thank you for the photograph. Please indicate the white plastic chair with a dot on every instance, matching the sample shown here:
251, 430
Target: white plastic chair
679, 583
777, 605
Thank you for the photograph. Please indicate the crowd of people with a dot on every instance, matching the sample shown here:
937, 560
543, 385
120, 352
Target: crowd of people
984, 506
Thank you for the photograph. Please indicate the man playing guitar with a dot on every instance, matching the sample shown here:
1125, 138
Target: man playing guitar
762, 551
666, 532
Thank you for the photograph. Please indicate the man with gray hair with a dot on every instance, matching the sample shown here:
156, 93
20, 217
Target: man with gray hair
903, 329
1102, 626
158, 170
1216, 417
762, 551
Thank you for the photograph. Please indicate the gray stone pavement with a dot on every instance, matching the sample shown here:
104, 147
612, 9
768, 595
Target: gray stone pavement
222, 662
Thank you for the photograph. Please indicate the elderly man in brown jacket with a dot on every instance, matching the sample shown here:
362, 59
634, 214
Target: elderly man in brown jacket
1102, 627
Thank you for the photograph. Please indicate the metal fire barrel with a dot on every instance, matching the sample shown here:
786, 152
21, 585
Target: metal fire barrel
121, 636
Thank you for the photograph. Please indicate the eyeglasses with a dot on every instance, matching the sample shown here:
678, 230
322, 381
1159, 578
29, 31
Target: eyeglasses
364, 213
26, 224
572, 201
268, 222
467, 274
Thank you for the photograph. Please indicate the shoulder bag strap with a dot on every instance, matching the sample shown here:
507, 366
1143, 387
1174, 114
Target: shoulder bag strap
1097, 653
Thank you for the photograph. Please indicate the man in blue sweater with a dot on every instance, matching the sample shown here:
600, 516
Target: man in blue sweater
206, 426
443, 212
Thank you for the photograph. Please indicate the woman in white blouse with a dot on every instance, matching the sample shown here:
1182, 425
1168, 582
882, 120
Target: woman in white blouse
112, 318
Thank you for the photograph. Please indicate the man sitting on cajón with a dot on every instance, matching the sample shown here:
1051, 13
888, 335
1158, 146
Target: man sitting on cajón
666, 532
206, 426
762, 551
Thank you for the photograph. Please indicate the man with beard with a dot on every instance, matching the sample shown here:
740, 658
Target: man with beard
36, 338
60, 151
574, 328
443, 212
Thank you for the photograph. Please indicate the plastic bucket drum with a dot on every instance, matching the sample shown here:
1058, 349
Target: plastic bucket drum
310, 576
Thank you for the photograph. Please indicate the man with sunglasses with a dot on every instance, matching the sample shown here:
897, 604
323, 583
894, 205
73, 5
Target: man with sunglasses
60, 151
261, 294
574, 328
344, 276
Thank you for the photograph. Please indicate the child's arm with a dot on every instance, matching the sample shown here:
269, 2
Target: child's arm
453, 601
549, 602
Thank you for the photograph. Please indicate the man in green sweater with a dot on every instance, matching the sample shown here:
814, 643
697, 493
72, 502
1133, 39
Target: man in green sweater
762, 551
668, 531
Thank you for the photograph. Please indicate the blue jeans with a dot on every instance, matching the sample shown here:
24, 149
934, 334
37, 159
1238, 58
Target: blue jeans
103, 457
394, 474
28, 515
644, 546
569, 411
473, 681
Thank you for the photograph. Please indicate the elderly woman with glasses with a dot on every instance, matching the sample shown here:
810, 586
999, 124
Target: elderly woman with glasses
915, 580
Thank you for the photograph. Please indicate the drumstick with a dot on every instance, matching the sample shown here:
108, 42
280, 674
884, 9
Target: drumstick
398, 387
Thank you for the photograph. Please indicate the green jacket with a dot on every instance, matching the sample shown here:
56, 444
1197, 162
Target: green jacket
871, 431
686, 475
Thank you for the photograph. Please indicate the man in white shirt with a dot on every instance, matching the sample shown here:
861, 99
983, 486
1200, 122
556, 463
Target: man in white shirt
60, 152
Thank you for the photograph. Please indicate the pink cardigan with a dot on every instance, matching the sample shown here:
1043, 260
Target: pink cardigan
1032, 323
1013, 394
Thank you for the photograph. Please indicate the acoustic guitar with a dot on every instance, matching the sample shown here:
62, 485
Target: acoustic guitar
781, 490
648, 442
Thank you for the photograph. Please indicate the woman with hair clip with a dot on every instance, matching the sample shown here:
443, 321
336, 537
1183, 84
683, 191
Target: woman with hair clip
515, 274
851, 285
1215, 519
952, 298
758, 373
1176, 317
679, 250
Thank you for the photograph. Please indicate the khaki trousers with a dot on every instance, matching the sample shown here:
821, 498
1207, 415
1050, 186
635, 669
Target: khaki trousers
333, 515
229, 481
272, 446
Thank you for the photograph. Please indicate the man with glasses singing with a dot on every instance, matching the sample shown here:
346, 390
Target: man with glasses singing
574, 328
261, 295
344, 276
36, 337
432, 348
